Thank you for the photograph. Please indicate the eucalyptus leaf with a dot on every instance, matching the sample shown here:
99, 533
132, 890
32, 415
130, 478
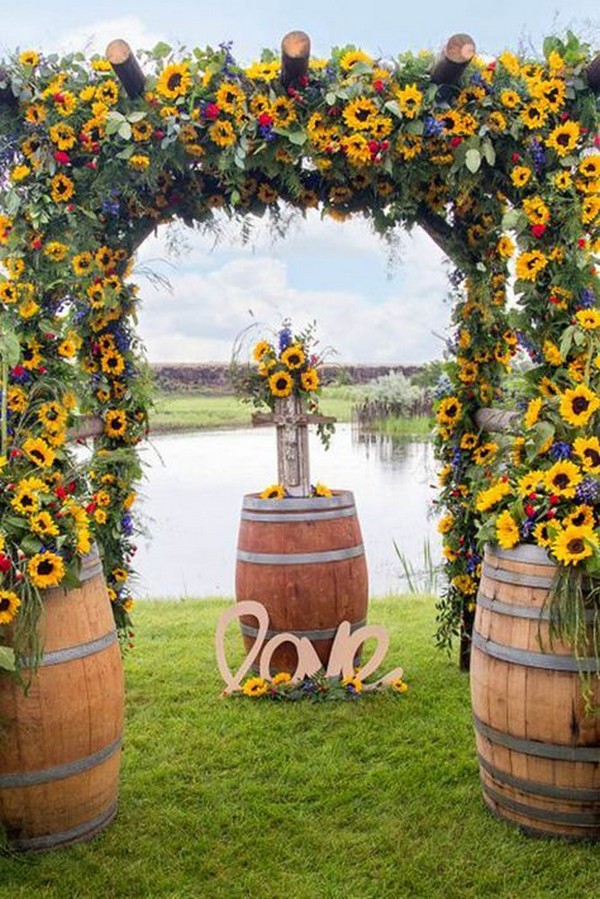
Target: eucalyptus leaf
7, 658
297, 138
125, 131
473, 160
161, 50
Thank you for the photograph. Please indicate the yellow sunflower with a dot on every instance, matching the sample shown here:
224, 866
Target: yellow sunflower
507, 530
222, 133
321, 490
63, 136
581, 516
37, 450
409, 100
588, 451
589, 166
573, 544
262, 348
281, 383
562, 479
309, 380
534, 115
563, 139
530, 264
544, 533
359, 113
82, 263
230, 97
43, 524
520, 175
46, 569
577, 405
174, 81
115, 423
62, 188
351, 57
487, 499
283, 112
9, 606
255, 687
449, 411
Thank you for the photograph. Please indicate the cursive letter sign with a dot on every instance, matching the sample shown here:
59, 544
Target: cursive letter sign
341, 660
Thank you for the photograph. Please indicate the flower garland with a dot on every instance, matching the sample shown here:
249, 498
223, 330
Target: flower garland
507, 161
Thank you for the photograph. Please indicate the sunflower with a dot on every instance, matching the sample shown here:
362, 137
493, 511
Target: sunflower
409, 145
356, 148
65, 103
562, 180
505, 247
261, 349
62, 188
37, 450
577, 405
255, 687
8, 292
63, 136
536, 211
562, 479
281, 383
581, 516
445, 524
52, 415
174, 81
108, 92
16, 399
510, 99
588, 319
222, 134
142, 131
282, 677
490, 497
468, 441
533, 412
321, 490
115, 423
573, 544
283, 112
9, 605
497, 123
544, 533
55, 250
104, 258
520, 175
485, 453
82, 263
449, 410
309, 380
529, 482
266, 193
46, 569
590, 208
359, 113
564, 138
552, 92
530, 264
588, 451
351, 57
19, 173
43, 524
465, 584
230, 97
589, 166
534, 115
30, 354
409, 100
68, 347
264, 71
112, 363
507, 530
293, 357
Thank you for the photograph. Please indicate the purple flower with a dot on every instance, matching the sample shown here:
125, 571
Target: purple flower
588, 491
285, 338
586, 299
560, 450
433, 128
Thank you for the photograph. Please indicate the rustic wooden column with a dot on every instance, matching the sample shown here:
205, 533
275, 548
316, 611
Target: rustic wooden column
456, 55
593, 74
126, 67
292, 421
295, 51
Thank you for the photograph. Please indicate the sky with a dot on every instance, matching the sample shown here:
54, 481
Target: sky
371, 309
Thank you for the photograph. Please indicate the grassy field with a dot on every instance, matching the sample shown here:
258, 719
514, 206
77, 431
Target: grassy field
243, 799
197, 411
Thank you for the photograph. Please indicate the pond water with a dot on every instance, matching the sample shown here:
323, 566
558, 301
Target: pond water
192, 497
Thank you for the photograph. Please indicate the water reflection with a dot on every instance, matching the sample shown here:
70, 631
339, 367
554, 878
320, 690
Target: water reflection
193, 495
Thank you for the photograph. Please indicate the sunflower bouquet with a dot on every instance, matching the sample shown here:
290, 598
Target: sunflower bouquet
283, 368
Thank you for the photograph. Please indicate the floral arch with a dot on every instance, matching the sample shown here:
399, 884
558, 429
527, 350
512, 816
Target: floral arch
494, 159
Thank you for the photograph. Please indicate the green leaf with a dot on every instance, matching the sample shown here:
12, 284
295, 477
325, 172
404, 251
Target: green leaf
330, 98
473, 160
136, 116
297, 138
543, 431
7, 658
161, 50
393, 107
10, 348
510, 220
488, 152
125, 130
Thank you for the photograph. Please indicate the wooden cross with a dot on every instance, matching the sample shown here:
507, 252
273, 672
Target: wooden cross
292, 421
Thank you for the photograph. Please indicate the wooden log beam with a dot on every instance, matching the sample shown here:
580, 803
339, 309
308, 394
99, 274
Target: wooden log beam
455, 57
86, 426
295, 51
126, 67
499, 420
593, 74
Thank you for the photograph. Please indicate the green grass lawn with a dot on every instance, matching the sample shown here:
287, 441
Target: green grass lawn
345, 800
196, 411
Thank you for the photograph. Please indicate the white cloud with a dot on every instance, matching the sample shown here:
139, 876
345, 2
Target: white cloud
95, 36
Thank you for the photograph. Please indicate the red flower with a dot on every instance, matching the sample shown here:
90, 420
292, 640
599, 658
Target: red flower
211, 111
529, 510
581, 243
159, 134
18, 371
554, 499
60, 492
92, 164
378, 85
5, 562
456, 141
62, 157
265, 119
373, 147
515, 157
538, 230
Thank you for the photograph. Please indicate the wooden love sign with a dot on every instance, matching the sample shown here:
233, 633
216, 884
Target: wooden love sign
341, 660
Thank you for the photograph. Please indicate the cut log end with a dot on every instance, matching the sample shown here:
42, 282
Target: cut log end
460, 48
118, 52
296, 45
593, 75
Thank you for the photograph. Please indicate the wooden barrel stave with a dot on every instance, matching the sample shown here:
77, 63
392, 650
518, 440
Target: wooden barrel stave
538, 750
60, 760
303, 559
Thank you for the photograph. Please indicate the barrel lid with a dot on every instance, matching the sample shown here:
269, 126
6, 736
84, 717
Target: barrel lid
524, 552
339, 499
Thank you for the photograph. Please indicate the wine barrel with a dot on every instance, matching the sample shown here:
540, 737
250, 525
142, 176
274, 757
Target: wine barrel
538, 749
60, 740
304, 560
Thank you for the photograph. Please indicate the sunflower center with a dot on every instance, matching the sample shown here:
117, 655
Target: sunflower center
45, 567
592, 456
576, 546
4, 605
580, 404
561, 481
174, 81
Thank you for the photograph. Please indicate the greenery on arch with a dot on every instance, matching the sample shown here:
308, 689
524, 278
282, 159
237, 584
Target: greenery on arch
505, 164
